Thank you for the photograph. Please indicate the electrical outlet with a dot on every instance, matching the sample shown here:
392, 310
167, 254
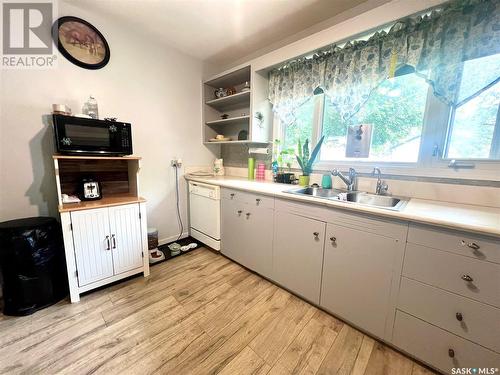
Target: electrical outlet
176, 163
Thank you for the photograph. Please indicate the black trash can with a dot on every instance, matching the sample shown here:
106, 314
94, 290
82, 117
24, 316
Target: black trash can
33, 264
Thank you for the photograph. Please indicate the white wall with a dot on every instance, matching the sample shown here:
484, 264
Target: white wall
156, 88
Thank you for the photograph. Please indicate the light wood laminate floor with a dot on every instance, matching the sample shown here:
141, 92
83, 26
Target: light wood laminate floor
197, 314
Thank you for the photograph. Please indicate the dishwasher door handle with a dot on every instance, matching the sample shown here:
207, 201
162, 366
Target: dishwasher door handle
203, 190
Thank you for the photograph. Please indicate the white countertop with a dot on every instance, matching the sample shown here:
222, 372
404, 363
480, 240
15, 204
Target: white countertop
470, 218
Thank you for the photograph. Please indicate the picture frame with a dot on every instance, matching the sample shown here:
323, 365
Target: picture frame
80, 42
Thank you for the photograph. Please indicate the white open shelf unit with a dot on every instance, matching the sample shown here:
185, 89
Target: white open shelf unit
240, 126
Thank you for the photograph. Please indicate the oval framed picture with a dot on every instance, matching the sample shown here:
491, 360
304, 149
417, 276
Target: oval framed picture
80, 42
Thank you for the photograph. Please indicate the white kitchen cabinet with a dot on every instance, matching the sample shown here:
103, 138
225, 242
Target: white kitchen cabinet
431, 292
448, 306
105, 240
298, 254
241, 107
247, 231
358, 272
91, 237
471, 278
259, 238
466, 244
126, 242
233, 231
108, 245
462, 316
440, 348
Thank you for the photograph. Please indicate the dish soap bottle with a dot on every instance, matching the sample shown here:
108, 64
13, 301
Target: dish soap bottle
90, 108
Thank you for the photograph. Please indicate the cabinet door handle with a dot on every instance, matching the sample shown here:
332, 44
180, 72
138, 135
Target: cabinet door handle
108, 243
451, 353
257, 201
459, 316
114, 241
316, 235
248, 215
240, 212
231, 195
467, 278
333, 239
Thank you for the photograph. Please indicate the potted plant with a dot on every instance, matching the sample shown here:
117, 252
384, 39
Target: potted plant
306, 161
282, 163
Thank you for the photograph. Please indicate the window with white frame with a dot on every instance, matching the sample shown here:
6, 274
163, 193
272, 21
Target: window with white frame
402, 121
409, 126
474, 127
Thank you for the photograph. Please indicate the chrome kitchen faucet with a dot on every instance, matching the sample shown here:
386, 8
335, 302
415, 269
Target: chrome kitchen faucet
351, 181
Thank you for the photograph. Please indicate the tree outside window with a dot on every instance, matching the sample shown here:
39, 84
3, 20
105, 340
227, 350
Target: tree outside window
396, 112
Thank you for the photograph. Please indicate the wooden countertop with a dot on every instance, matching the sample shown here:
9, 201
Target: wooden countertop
104, 202
83, 157
471, 218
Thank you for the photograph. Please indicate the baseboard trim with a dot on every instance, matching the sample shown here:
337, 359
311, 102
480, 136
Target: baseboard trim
164, 241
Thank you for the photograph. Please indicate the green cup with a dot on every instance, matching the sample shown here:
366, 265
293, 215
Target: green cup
251, 168
326, 181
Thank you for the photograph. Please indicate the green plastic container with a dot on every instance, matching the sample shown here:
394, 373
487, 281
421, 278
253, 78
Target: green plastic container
326, 181
251, 168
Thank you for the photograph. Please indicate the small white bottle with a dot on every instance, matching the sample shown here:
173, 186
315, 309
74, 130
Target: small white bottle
90, 108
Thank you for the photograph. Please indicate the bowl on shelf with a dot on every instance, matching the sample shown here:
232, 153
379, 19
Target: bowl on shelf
220, 138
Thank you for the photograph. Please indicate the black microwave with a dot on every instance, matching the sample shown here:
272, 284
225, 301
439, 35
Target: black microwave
79, 136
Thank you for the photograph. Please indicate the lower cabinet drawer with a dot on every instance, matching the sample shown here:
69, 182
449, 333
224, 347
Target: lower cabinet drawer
439, 348
252, 199
468, 277
466, 244
469, 319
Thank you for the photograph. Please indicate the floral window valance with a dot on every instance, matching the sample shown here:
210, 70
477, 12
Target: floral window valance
434, 46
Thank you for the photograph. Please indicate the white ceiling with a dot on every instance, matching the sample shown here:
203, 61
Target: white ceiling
220, 31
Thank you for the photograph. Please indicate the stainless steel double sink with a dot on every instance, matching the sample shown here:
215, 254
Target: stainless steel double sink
357, 197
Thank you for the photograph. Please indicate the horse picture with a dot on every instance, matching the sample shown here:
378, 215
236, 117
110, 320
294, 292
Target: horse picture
82, 42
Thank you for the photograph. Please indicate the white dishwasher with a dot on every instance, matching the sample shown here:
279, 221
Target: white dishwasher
204, 213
